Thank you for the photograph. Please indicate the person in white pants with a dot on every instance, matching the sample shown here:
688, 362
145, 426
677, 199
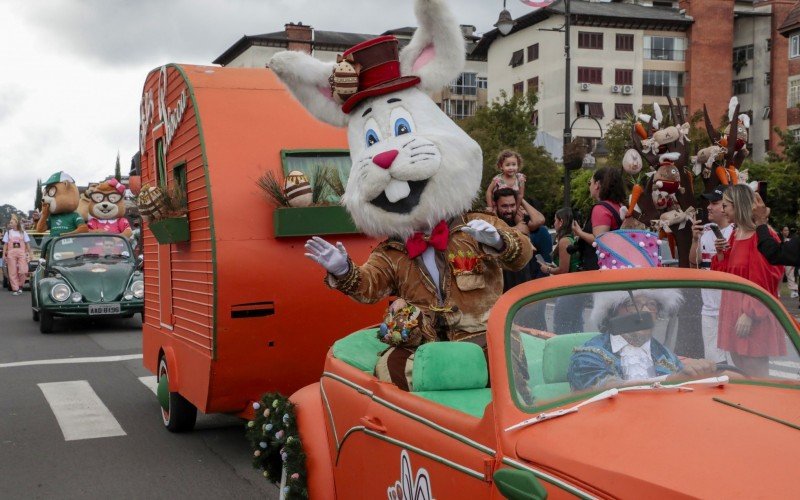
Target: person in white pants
700, 255
791, 282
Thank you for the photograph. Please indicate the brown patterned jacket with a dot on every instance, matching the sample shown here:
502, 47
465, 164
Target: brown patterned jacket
467, 294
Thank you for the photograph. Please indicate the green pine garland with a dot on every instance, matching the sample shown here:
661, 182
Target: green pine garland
276, 444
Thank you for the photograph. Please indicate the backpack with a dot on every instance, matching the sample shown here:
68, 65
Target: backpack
587, 252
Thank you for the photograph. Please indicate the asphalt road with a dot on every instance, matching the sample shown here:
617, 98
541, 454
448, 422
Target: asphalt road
78, 428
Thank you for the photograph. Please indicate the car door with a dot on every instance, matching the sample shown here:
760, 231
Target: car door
419, 449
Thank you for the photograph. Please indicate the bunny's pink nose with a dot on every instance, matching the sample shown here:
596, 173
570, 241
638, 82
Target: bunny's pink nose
385, 159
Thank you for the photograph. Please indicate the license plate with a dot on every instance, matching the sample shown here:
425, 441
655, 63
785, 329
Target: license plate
97, 309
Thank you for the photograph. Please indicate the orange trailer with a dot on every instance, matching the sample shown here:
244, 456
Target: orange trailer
232, 307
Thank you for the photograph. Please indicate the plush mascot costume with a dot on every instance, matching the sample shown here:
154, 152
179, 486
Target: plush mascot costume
107, 209
59, 205
414, 176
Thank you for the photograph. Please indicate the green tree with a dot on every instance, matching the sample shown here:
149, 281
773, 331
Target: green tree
37, 200
506, 124
118, 170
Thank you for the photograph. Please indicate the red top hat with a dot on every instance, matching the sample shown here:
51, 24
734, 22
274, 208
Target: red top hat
368, 69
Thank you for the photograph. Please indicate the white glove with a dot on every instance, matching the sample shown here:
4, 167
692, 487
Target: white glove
332, 258
483, 232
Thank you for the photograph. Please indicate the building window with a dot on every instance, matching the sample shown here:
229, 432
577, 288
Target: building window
590, 75
624, 42
516, 59
533, 84
533, 52
743, 86
662, 83
623, 111
623, 77
465, 84
794, 46
766, 145
458, 109
796, 133
767, 78
664, 48
519, 88
590, 40
794, 92
594, 109
535, 118
743, 53
483, 82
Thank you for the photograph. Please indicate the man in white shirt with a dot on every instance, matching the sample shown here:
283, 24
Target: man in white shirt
700, 255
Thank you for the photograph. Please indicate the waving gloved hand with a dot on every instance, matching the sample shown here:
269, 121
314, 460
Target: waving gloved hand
483, 232
333, 258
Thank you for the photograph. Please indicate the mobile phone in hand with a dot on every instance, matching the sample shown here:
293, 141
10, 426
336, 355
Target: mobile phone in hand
540, 260
701, 216
716, 230
762, 191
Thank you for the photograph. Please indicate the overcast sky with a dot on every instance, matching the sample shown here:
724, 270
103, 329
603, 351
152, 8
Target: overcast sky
71, 71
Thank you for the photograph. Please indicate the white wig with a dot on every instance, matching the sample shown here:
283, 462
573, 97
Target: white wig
605, 303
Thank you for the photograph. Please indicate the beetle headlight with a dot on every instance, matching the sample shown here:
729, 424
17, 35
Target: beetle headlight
60, 292
138, 289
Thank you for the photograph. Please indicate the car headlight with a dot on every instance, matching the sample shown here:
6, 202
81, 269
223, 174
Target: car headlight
60, 292
138, 289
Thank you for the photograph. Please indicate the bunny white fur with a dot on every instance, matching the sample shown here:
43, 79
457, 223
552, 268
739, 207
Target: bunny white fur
440, 161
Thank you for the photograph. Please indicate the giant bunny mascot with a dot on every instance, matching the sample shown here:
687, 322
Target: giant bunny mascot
414, 176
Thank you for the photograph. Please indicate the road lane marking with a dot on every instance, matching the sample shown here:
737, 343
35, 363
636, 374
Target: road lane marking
151, 383
79, 411
70, 361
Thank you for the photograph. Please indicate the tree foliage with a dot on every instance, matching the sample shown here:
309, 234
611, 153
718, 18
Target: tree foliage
781, 171
506, 124
118, 170
37, 200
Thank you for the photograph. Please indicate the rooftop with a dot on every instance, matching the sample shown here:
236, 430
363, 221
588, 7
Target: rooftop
598, 14
792, 21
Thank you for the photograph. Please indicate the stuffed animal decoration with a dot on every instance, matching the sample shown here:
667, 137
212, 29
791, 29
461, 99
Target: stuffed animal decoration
107, 209
413, 178
59, 205
733, 144
297, 189
632, 162
666, 183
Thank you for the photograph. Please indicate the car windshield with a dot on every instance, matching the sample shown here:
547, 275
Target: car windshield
586, 342
90, 248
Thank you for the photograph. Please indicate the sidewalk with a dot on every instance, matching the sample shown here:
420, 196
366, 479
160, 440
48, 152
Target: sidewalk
791, 305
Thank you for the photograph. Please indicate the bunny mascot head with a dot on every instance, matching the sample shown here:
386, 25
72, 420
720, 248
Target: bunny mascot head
413, 178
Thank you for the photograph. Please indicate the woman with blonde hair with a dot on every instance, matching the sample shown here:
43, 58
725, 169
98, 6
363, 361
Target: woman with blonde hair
746, 329
16, 250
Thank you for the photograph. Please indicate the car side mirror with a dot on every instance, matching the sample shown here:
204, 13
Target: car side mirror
519, 484
42, 261
140, 260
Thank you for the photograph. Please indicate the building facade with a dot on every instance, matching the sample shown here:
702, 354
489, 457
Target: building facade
459, 100
630, 53
790, 30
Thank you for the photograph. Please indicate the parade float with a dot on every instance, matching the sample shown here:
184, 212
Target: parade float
231, 308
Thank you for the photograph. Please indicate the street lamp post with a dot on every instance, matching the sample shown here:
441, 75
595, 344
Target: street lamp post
567, 93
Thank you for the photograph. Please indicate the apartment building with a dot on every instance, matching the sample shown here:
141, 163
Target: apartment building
790, 29
459, 100
623, 56
630, 53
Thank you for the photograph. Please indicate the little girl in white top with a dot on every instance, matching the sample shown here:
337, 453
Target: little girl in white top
509, 163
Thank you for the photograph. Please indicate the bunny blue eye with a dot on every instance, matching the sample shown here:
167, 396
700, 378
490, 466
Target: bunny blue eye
372, 137
401, 127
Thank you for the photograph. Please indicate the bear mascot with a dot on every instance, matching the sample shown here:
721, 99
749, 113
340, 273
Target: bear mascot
106, 208
413, 179
59, 207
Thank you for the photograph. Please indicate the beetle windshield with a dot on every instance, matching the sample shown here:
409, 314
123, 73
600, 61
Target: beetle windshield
100, 247
585, 342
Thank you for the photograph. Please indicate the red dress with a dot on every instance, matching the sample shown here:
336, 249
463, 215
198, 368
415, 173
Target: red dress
767, 337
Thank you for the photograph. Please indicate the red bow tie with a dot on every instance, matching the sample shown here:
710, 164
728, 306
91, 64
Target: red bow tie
419, 242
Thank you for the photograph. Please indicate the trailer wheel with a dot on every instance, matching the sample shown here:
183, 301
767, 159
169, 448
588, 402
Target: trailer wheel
178, 414
46, 322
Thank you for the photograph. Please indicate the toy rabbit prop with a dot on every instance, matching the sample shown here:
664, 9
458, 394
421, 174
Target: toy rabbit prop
413, 178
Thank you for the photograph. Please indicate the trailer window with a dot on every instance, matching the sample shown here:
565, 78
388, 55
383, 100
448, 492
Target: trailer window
332, 163
179, 177
161, 168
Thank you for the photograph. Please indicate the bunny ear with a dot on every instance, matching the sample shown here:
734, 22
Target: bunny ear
436, 51
307, 79
659, 116
733, 106
745, 119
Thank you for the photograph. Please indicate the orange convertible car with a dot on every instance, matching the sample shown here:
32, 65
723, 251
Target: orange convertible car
618, 404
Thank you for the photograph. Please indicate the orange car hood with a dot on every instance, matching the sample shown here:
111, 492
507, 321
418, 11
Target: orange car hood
673, 444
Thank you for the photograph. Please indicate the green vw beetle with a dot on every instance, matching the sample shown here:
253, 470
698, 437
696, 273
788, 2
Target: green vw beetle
86, 275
